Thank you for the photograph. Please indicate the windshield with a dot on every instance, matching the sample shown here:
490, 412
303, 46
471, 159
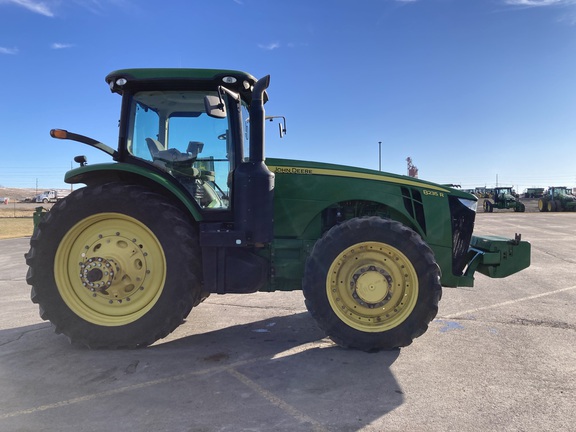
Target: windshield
246, 129
171, 130
561, 191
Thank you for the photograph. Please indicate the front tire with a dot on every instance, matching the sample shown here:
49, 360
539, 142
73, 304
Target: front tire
372, 284
114, 266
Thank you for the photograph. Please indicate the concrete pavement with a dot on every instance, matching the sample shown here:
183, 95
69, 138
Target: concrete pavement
499, 356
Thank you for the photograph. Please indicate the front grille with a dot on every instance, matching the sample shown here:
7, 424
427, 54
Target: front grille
462, 227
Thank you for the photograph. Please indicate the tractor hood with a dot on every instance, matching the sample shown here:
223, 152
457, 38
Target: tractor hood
287, 166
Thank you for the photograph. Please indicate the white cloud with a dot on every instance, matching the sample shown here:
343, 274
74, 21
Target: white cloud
94, 6
269, 47
4, 50
47, 7
57, 45
536, 3
99, 7
35, 6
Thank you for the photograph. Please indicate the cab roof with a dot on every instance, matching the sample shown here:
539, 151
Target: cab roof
181, 79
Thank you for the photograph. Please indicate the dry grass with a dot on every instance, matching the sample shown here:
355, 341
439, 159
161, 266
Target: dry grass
13, 227
15, 213
16, 220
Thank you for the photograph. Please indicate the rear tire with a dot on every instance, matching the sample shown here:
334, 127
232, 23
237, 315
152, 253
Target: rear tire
558, 205
542, 205
372, 284
114, 266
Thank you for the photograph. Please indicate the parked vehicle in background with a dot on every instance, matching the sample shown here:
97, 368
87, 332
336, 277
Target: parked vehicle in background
52, 196
483, 192
557, 198
504, 198
533, 193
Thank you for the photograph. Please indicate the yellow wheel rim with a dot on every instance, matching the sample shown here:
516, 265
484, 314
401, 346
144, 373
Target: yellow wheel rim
110, 269
372, 287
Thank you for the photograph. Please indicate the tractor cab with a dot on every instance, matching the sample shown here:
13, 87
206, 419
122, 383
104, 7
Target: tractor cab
193, 127
172, 131
504, 194
559, 191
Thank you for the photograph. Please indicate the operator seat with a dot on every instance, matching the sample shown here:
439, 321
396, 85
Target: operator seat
154, 146
194, 147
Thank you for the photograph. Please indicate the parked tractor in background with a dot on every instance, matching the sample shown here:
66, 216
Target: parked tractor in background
483, 192
557, 198
533, 193
191, 207
504, 198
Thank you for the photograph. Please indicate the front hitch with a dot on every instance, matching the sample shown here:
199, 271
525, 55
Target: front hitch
496, 257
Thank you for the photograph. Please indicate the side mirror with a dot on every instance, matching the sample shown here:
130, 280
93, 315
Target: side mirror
281, 124
81, 160
214, 106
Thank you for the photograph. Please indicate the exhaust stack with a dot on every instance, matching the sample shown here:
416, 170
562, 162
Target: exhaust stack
253, 181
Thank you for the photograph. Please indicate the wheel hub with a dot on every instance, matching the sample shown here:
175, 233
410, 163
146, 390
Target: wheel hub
96, 274
371, 286
113, 267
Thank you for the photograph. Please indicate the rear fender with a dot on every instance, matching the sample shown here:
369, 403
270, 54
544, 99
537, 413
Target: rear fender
107, 172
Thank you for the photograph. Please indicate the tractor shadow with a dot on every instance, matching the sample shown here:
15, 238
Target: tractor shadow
280, 373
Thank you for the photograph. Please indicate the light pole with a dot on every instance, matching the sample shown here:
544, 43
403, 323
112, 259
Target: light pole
379, 155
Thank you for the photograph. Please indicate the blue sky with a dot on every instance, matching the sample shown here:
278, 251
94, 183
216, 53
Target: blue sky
474, 91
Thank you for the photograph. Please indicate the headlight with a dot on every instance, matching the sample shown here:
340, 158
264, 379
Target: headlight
471, 204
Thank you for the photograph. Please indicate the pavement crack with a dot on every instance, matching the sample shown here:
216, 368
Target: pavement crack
22, 334
246, 306
558, 257
513, 321
542, 323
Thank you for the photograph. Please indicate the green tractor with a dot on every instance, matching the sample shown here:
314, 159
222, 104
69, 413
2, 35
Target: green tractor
504, 198
189, 206
557, 198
